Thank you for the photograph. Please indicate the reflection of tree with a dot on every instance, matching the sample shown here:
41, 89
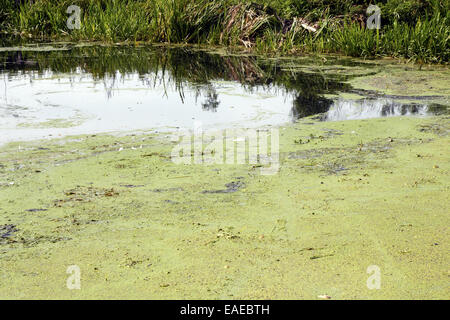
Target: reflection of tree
308, 90
392, 108
182, 68
304, 106
16, 61
212, 102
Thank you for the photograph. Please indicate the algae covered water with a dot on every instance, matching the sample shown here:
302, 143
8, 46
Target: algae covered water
362, 177
49, 91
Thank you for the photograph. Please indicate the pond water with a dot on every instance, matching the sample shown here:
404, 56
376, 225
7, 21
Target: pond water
47, 92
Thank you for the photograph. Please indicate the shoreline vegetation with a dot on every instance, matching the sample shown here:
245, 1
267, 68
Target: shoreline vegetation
416, 30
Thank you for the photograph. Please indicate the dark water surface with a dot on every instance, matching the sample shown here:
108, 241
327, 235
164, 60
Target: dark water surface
48, 91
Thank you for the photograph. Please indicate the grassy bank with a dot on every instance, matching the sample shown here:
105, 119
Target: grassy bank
413, 29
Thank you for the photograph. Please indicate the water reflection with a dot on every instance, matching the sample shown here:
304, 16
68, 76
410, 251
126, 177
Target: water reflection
212, 100
369, 108
180, 68
103, 88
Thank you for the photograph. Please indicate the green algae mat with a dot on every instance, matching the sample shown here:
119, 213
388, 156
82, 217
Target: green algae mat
357, 209
139, 226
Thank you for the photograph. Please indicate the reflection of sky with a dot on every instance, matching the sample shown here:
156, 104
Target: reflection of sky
365, 109
126, 103
34, 106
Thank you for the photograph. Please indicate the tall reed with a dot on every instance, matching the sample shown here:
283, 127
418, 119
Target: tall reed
273, 27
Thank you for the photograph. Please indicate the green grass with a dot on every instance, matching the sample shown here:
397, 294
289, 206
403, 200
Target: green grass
427, 41
412, 29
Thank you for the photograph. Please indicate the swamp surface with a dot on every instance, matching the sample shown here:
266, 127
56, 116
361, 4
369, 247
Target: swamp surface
87, 179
